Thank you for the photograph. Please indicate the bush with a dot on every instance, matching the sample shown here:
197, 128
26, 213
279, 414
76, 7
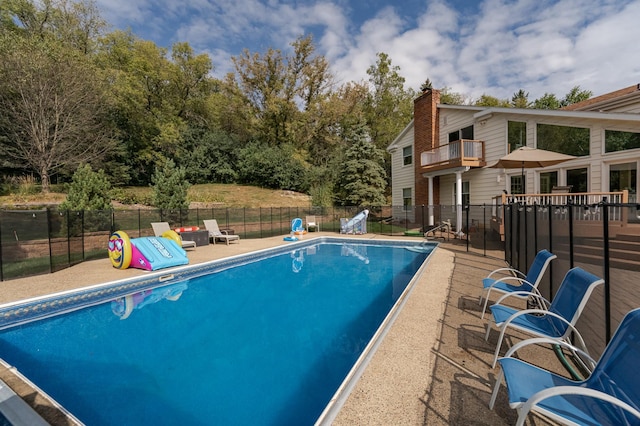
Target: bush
272, 167
88, 190
170, 187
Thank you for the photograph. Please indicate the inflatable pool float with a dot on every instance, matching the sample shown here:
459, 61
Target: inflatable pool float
148, 253
187, 229
291, 238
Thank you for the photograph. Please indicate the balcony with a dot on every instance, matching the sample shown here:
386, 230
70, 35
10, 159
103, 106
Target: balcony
460, 153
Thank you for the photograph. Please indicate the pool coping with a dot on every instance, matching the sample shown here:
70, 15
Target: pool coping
343, 392
41, 307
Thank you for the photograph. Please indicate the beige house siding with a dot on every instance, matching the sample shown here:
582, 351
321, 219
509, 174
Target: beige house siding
490, 126
402, 175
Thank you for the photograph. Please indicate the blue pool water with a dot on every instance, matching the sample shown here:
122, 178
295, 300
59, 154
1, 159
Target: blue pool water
268, 342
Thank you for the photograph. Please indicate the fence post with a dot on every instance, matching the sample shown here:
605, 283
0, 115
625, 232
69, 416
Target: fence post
49, 237
607, 289
484, 227
550, 211
1, 261
570, 209
467, 226
535, 228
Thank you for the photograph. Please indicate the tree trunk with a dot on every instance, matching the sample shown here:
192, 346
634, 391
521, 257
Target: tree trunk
44, 177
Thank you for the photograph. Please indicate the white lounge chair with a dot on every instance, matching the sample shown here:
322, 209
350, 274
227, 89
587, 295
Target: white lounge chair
215, 234
312, 222
160, 228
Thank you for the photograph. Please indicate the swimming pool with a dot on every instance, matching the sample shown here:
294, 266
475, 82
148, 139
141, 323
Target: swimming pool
265, 339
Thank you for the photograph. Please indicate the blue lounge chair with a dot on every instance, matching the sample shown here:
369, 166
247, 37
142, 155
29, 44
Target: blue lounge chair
558, 320
519, 282
609, 396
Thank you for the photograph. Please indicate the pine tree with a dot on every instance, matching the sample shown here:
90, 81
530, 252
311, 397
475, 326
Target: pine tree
362, 177
170, 187
88, 190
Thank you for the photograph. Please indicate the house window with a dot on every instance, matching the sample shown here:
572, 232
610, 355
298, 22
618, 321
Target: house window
407, 155
406, 199
624, 176
578, 180
547, 181
564, 139
466, 133
620, 141
516, 134
517, 184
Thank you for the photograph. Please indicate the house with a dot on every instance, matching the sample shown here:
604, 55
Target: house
440, 158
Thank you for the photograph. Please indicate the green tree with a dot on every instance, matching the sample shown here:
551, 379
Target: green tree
362, 178
286, 93
209, 156
170, 187
491, 101
520, 99
389, 106
575, 95
447, 96
269, 166
88, 190
547, 101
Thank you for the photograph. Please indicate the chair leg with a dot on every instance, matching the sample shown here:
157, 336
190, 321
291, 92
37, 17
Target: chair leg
486, 336
484, 308
498, 346
494, 395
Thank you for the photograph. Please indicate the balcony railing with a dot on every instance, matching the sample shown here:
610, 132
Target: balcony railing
460, 153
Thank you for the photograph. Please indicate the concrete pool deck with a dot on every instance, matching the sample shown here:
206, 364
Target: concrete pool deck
432, 368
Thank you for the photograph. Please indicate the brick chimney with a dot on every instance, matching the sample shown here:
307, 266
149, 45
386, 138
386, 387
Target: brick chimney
425, 137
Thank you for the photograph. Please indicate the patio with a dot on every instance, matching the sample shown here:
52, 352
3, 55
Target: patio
433, 366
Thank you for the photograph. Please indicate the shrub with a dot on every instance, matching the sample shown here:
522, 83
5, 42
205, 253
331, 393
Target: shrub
170, 187
88, 190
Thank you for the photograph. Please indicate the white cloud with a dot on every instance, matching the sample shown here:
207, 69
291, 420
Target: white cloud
538, 45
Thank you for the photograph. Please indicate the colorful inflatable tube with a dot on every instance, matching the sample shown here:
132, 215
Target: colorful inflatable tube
148, 253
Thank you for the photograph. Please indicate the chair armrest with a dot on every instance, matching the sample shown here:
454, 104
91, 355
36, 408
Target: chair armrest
503, 270
510, 278
540, 340
545, 312
572, 390
535, 293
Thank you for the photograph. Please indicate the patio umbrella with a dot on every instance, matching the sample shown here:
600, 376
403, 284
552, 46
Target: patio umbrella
530, 158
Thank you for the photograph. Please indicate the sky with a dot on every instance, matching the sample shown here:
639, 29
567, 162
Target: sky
493, 47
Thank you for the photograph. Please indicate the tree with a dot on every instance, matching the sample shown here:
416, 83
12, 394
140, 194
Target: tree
286, 93
53, 106
362, 178
575, 95
170, 187
447, 96
520, 99
389, 106
88, 190
547, 101
491, 101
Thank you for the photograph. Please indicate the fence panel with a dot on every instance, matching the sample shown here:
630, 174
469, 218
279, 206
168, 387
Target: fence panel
24, 244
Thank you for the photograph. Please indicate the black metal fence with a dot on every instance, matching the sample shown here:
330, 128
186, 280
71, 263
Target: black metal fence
602, 238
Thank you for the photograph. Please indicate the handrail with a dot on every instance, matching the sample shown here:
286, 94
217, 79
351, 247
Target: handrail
462, 150
581, 199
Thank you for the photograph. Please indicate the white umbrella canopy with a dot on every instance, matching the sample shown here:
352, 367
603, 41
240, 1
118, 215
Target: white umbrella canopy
530, 158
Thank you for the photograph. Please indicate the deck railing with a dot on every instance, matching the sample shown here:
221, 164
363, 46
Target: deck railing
588, 200
461, 152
